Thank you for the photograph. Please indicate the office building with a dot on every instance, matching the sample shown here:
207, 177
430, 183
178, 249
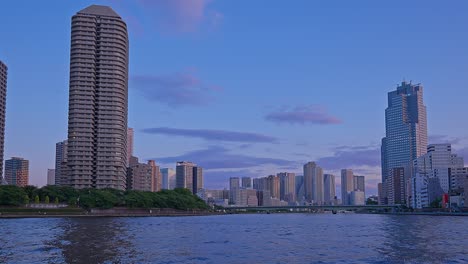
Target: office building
168, 176
439, 162
287, 186
61, 149
129, 144
50, 177
313, 183
246, 182
98, 100
347, 185
189, 176
329, 189
3, 90
17, 171
405, 126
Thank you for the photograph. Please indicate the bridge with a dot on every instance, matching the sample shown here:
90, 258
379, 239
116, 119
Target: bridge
304, 208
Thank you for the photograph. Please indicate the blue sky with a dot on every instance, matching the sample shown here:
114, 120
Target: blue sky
246, 88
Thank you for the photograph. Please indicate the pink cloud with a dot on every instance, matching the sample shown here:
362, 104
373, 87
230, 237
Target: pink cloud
181, 16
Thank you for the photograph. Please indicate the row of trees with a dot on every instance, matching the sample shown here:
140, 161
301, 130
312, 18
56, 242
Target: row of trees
103, 198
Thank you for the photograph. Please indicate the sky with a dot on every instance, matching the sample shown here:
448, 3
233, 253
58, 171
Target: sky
246, 88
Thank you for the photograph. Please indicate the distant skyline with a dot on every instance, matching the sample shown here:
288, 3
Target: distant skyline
246, 88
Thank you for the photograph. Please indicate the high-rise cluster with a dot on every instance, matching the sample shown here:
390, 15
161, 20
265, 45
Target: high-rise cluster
414, 173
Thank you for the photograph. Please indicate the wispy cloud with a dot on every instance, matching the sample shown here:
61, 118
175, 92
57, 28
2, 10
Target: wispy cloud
182, 88
349, 157
443, 139
215, 157
212, 134
181, 16
303, 115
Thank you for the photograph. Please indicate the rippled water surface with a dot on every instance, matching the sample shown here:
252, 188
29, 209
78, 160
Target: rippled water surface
274, 238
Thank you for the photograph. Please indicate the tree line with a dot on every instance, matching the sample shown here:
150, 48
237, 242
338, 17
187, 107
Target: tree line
11, 195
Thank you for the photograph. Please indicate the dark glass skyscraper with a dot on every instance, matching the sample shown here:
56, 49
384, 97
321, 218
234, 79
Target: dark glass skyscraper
97, 117
406, 128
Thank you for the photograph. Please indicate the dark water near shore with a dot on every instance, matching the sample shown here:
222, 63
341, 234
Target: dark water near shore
275, 238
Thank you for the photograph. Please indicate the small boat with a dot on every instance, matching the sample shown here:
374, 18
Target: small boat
334, 211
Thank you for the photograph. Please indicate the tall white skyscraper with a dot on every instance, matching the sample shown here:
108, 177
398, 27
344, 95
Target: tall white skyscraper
405, 126
98, 100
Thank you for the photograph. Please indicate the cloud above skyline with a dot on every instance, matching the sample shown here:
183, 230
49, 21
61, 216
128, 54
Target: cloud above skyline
215, 157
177, 89
181, 16
443, 139
351, 157
212, 134
303, 115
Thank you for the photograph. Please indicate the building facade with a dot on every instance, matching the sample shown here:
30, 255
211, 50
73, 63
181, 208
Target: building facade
17, 171
50, 177
3, 91
405, 126
360, 183
129, 144
168, 176
287, 186
143, 176
347, 185
189, 176
98, 100
313, 183
247, 182
329, 188
61, 150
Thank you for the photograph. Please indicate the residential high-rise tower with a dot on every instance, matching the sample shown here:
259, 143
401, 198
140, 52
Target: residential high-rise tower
98, 100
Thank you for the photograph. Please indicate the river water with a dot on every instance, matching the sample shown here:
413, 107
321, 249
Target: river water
273, 238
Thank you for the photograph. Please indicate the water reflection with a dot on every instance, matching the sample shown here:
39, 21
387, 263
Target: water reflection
418, 239
93, 240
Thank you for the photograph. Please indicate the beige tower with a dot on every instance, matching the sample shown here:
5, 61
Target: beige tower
97, 117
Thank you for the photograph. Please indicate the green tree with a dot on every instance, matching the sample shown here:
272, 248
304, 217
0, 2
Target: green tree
36, 199
11, 195
56, 201
26, 199
47, 200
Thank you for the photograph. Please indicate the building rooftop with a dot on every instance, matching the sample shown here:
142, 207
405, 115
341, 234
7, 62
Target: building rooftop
99, 10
